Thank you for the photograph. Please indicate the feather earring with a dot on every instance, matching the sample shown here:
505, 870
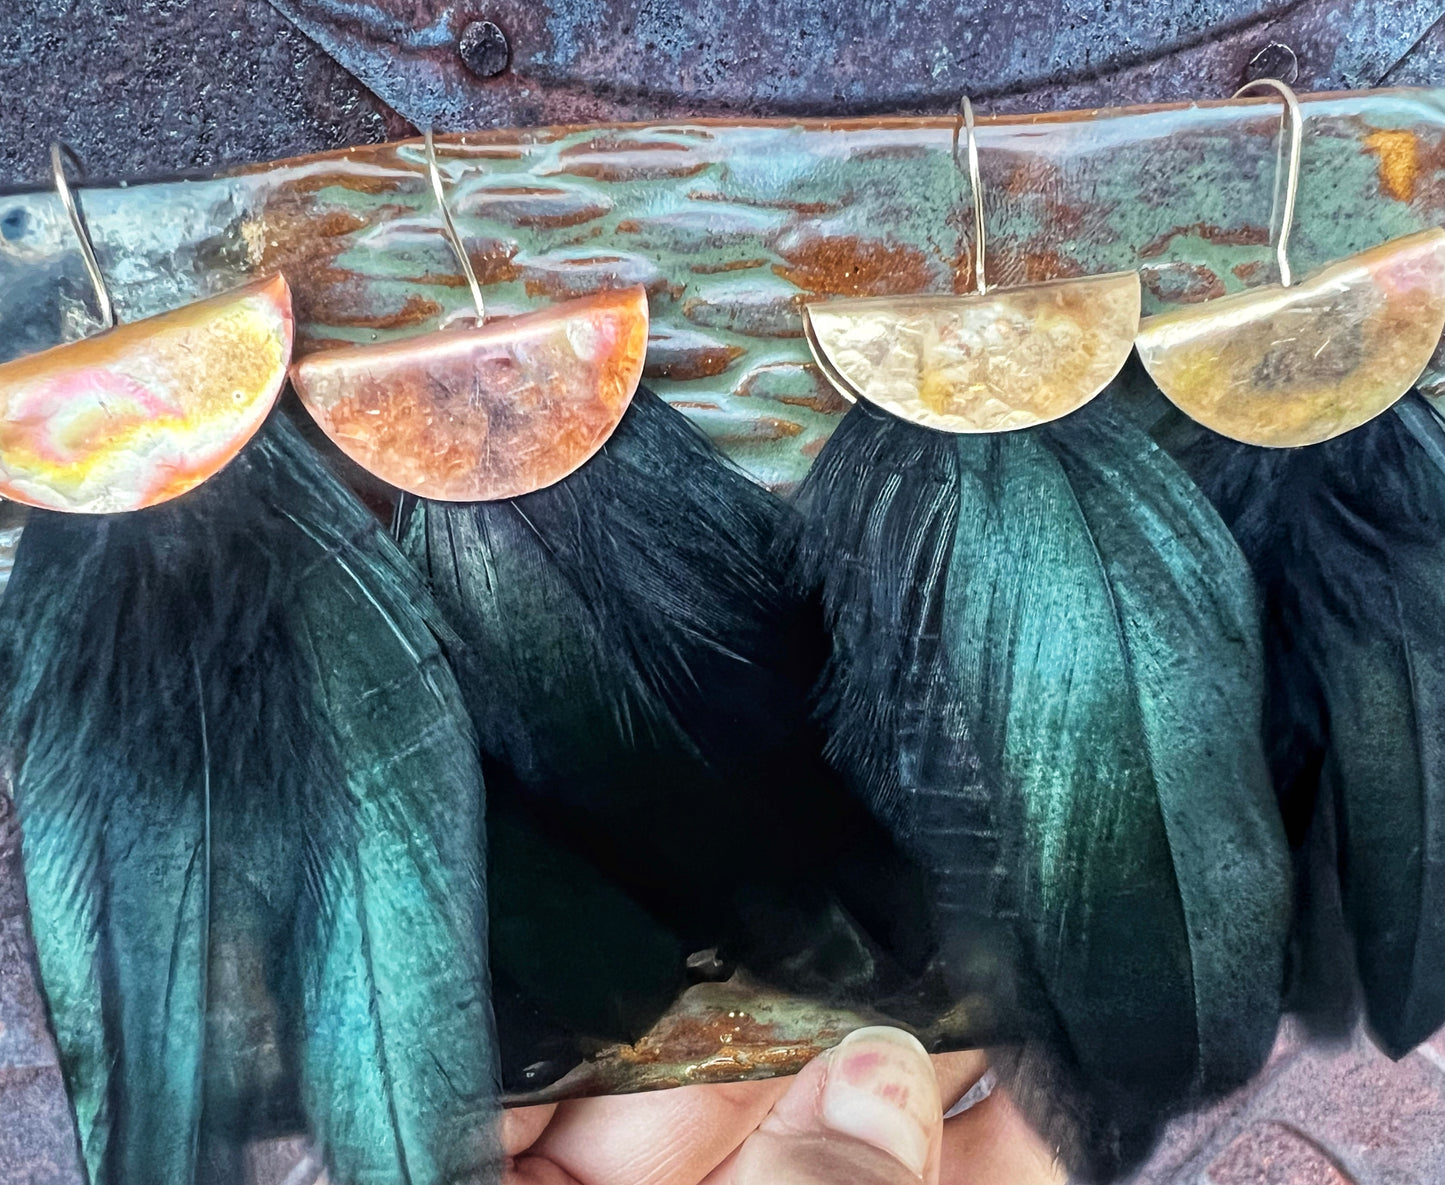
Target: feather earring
1046, 679
1341, 537
1065, 641
248, 794
635, 669
1344, 538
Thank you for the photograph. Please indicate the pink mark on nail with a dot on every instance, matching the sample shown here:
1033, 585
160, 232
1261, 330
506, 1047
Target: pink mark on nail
859, 1068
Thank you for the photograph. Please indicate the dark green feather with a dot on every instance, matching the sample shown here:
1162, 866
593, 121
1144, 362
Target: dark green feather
251, 815
1348, 540
636, 673
1081, 642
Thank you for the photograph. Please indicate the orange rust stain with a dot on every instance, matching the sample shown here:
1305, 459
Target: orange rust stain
732, 265
806, 209
309, 183
734, 1037
847, 266
1182, 283
1244, 236
1023, 266
824, 398
700, 363
1248, 271
542, 218
629, 226
607, 159
1399, 153
763, 428
493, 263
413, 311
1031, 175
776, 318
826, 402
618, 144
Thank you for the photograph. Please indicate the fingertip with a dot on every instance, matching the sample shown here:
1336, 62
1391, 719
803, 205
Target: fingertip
879, 1087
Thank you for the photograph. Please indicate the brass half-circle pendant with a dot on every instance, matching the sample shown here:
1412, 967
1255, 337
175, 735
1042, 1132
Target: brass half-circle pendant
144, 412
1293, 366
1006, 359
494, 411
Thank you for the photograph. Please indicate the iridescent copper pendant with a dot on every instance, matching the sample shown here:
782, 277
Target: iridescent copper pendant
142, 413
1296, 364
992, 361
488, 412
477, 414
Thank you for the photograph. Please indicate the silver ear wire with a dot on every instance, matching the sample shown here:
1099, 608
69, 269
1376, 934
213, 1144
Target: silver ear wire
58, 153
1294, 123
450, 227
975, 184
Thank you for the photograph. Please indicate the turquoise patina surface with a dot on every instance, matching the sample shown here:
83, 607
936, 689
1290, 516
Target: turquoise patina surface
732, 225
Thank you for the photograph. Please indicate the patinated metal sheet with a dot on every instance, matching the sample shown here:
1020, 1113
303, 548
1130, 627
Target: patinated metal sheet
732, 225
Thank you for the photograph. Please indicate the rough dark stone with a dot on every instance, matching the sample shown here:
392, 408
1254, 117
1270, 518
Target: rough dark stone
638, 59
153, 87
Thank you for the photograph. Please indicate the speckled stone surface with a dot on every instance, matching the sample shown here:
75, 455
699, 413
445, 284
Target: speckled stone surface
1318, 1115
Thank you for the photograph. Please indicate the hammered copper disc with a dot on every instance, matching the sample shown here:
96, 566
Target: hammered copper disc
1291, 366
144, 412
1010, 358
472, 415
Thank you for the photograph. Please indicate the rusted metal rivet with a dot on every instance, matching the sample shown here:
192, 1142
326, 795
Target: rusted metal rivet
484, 50
1274, 60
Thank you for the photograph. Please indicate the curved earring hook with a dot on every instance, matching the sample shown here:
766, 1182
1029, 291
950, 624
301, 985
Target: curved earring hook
450, 227
1295, 124
975, 184
58, 152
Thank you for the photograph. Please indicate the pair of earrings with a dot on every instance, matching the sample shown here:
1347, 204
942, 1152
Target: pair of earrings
1048, 677
1282, 365
144, 412
269, 819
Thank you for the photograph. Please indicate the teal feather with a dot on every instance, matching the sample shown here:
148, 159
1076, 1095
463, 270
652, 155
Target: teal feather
1092, 660
250, 807
636, 674
1346, 540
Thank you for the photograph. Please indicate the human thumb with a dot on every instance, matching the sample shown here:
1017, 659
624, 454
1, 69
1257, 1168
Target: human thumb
867, 1112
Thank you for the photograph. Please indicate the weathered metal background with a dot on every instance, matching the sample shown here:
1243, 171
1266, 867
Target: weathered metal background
573, 60
154, 87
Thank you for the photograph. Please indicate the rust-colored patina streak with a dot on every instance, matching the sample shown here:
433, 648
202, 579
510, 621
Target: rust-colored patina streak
477, 414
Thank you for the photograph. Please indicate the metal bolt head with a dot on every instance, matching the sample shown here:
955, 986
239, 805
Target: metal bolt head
483, 49
1273, 60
